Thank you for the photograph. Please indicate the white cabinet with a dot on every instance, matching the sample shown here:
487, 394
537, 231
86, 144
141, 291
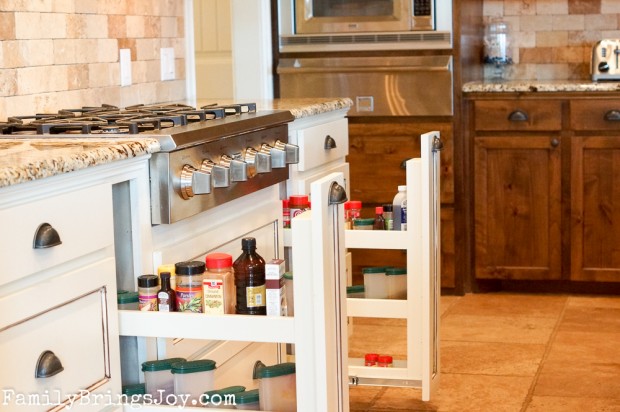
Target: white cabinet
323, 142
420, 309
58, 292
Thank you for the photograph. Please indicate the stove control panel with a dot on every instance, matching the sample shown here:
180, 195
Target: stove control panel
193, 179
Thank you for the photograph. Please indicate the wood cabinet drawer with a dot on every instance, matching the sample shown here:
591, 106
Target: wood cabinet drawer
69, 316
313, 149
514, 115
595, 114
82, 219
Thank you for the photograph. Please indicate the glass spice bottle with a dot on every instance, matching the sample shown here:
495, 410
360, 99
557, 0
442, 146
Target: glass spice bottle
166, 297
249, 270
379, 222
189, 285
388, 216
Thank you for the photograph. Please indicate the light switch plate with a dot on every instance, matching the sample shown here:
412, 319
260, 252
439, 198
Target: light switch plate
167, 63
125, 63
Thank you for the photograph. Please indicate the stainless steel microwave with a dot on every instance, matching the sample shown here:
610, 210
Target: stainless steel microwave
346, 16
333, 25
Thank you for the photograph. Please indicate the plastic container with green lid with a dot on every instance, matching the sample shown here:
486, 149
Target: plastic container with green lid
397, 283
276, 387
193, 378
375, 283
248, 400
290, 299
127, 300
355, 291
158, 377
133, 393
224, 398
363, 223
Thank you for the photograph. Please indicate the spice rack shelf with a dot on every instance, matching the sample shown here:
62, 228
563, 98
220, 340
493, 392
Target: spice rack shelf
420, 309
244, 328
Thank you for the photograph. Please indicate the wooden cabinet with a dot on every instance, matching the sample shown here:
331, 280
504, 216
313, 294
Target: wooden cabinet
546, 187
595, 190
517, 207
378, 149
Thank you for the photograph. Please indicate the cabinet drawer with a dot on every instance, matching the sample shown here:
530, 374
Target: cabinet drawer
67, 316
595, 114
511, 115
83, 220
312, 144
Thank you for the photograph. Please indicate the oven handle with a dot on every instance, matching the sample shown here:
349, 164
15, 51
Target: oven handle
362, 69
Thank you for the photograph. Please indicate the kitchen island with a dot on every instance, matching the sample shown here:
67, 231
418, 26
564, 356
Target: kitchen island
541, 158
79, 213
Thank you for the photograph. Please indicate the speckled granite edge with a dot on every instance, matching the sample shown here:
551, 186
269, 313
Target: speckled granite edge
307, 107
534, 86
31, 163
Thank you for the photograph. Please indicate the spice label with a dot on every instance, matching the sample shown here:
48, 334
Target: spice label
255, 296
147, 302
163, 303
189, 299
213, 292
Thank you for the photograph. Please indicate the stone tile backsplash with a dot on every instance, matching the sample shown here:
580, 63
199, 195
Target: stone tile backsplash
65, 53
553, 39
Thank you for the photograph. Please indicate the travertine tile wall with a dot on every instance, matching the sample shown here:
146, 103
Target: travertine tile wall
553, 39
65, 53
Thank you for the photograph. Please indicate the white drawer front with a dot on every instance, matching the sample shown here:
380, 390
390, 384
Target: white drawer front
83, 220
72, 322
311, 141
300, 184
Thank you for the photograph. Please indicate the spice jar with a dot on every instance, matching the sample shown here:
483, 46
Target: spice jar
298, 204
148, 285
189, 286
352, 211
218, 284
370, 359
286, 214
249, 269
384, 361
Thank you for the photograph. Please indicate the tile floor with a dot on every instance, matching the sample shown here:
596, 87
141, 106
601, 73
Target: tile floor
507, 352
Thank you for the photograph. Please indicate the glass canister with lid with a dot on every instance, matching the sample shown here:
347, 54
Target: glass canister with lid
189, 276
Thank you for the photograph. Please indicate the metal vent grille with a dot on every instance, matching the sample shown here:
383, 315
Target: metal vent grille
413, 37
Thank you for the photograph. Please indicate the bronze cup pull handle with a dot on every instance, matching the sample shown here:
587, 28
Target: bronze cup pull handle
612, 116
518, 116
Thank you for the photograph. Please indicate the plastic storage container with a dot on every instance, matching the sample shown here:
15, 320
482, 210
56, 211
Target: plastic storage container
355, 291
133, 393
397, 283
363, 224
375, 283
193, 378
248, 400
224, 398
158, 377
127, 300
276, 387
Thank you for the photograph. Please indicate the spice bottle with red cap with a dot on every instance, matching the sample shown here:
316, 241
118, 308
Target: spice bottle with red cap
218, 284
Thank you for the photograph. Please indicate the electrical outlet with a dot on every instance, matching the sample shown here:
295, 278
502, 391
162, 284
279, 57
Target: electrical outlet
125, 63
167, 63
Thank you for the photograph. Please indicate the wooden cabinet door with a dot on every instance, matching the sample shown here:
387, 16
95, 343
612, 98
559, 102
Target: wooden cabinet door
595, 207
517, 207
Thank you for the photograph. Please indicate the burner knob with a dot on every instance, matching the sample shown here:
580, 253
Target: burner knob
238, 168
291, 151
259, 162
278, 156
220, 174
194, 182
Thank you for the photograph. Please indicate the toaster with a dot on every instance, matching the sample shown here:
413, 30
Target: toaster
606, 60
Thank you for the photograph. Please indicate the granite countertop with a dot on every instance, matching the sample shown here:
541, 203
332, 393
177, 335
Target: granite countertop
22, 160
299, 108
534, 86
26, 159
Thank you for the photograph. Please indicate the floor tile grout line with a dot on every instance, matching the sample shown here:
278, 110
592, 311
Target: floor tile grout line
530, 392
